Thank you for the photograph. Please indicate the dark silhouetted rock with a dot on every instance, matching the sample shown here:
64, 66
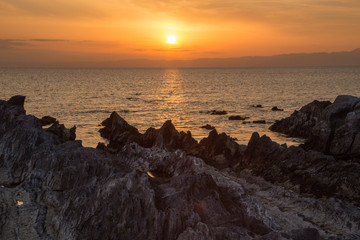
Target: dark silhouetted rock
237, 117
208, 126
301, 122
17, 100
216, 112
328, 128
259, 121
217, 150
258, 106
118, 132
47, 120
62, 132
313, 172
276, 109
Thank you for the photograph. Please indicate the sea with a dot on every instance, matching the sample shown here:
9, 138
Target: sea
148, 97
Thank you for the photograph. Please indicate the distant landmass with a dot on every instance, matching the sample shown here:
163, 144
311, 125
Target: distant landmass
349, 58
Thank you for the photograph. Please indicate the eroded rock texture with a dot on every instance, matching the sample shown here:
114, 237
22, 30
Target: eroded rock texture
331, 128
217, 150
53, 188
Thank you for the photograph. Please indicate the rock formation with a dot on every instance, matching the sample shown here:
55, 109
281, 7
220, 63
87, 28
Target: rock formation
237, 117
217, 150
141, 186
208, 126
331, 128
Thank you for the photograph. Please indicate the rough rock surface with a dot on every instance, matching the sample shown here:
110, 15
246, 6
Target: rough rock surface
218, 150
301, 122
331, 128
304, 171
53, 188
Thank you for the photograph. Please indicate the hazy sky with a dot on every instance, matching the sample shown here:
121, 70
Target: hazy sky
89, 30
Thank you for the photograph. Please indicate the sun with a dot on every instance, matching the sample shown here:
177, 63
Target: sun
171, 39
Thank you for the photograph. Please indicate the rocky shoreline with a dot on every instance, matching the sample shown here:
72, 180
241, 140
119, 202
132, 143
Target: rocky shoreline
163, 184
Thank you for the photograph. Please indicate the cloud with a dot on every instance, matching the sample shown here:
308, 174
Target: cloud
172, 50
46, 40
8, 44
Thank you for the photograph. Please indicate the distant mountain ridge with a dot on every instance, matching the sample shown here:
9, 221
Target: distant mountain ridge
345, 58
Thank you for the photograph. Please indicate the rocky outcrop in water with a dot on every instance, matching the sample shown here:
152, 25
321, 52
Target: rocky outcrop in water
237, 117
53, 188
275, 108
301, 122
331, 128
208, 126
217, 150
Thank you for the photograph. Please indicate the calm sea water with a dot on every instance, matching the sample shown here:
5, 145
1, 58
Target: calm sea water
148, 97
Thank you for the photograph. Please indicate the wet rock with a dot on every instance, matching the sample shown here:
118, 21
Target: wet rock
216, 112
237, 117
259, 121
47, 120
276, 109
208, 126
132, 98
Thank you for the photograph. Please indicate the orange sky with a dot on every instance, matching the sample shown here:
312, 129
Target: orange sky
92, 30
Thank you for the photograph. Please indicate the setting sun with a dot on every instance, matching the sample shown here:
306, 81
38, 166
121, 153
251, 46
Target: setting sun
171, 39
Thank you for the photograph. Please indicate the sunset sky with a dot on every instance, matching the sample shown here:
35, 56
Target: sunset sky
108, 30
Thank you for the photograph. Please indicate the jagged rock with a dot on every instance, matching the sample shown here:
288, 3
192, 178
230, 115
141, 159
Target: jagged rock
208, 126
301, 122
314, 172
118, 132
328, 128
275, 108
52, 190
62, 132
17, 100
169, 138
217, 150
237, 117
47, 120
